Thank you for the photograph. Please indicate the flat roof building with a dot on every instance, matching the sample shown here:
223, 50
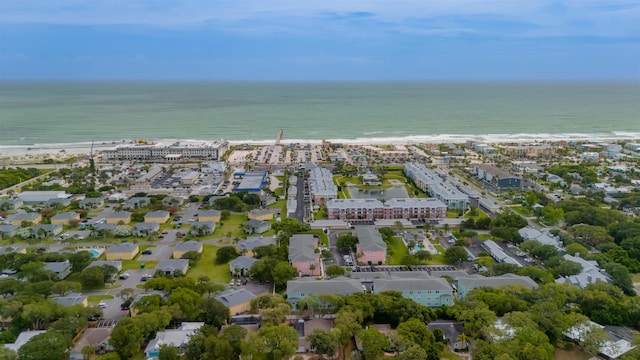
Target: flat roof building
437, 185
252, 182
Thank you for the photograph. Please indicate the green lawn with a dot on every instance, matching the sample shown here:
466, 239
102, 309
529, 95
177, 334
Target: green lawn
135, 264
231, 225
278, 191
398, 250
635, 277
207, 266
453, 214
521, 210
323, 237
479, 214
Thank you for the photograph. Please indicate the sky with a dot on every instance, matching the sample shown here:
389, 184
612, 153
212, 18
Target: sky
327, 40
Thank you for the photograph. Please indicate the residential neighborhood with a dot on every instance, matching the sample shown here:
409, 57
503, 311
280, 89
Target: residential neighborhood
424, 251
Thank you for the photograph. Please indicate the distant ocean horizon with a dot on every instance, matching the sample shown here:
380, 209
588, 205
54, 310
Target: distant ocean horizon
40, 113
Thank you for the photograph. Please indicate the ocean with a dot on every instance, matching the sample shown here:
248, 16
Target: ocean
33, 113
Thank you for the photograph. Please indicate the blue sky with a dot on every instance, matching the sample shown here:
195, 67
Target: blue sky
320, 40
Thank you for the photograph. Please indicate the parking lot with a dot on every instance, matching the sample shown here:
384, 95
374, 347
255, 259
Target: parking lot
387, 268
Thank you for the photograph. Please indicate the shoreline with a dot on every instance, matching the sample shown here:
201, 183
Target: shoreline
62, 150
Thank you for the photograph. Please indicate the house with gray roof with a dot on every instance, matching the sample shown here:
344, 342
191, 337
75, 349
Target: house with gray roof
169, 267
251, 243
372, 248
427, 291
303, 255
122, 251
145, 229
7, 231
97, 338
177, 337
529, 233
298, 289
186, 246
41, 196
590, 274
13, 249
237, 300
466, 284
172, 201
91, 203
59, 202
19, 218
62, 269
22, 339
41, 231
241, 265
115, 263
256, 226
137, 202
11, 204
202, 228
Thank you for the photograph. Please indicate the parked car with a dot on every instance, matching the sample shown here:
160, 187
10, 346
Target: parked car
145, 277
233, 282
102, 304
124, 276
147, 252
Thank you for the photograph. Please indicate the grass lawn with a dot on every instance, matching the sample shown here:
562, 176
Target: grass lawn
635, 277
207, 266
323, 237
479, 214
574, 354
449, 355
453, 214
398, 249
484, 237
278, 191
135, 264
94, 299
231, 225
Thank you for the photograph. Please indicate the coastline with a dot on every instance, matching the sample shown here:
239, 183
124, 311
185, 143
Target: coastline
63, 150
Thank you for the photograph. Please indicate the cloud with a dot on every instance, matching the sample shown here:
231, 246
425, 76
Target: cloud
530, 18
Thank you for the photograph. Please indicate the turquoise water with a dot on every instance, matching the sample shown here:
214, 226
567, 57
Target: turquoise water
71, 112
95, 254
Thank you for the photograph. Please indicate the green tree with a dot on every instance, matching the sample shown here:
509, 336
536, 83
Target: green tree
235, 335
57, 346
168, 352
213, 312
187, 301
373, 342
347, 242
226, 254
7, 354
334, 270
455, 255
126, 338
323, 342
280, 341
63, 287
80, 260
92, 278
283, 272
41, 312
576, 248
414, 352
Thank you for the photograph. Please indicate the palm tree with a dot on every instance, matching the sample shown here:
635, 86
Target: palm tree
87, 352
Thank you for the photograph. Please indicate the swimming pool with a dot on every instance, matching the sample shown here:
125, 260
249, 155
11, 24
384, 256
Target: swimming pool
94, 253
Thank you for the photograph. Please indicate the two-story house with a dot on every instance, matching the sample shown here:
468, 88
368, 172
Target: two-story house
303, 255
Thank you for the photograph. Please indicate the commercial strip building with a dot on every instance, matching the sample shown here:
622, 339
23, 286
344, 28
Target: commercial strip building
372, 209
179, 151
321, 186
437, 185
496, 176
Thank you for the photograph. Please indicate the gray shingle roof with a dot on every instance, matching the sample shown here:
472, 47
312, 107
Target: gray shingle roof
410, 284
242, 262
124, 247
301, 248
233, 297
370, 239
188, 246
310, 286
496, 281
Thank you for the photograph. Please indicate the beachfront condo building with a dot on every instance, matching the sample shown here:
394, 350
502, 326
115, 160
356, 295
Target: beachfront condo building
321, 186
437, 185
179, 151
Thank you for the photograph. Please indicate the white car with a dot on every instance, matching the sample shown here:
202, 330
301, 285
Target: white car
102, 304
233, 282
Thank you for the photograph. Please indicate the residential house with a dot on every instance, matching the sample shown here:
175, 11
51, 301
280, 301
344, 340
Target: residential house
71, 300
298, 289
137, 202
22, 339
62, 269
260, 214
46, 230
120, 217
209, 216
96, 337
431, 291
18, 218
91, 203
177, 337
169, 267
256, 227
65, 218
60, 203
18, 249
115, 263
41, 196
267, 200
246, 246
529, 233
619, 343
497, 176
182, 247
145, 229
466, 284
159, 216
7, 231
202, 228
303, 255
590, 273
102, 229
371, 247
123, 251
10, 204
172, 201
241, 265
238, 301
498, 254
